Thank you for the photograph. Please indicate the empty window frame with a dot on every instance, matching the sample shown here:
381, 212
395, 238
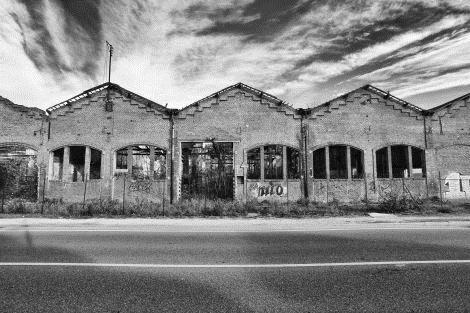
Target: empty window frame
146, 161
418, 166
319, 164
57, 164
95, 164
270, 162
77, 163
398, 161
78, 166
338, 162
273, 158
254, 164
293, 163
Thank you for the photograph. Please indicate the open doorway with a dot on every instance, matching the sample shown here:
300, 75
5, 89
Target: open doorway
207, 170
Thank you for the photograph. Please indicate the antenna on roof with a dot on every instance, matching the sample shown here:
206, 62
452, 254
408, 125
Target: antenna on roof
110, 49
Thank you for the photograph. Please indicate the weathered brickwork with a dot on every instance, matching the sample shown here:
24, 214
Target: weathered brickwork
86, 122
367, 121
448, 136
247, 118
25, 126
108, 118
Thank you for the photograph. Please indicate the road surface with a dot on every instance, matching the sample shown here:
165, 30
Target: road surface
346, 269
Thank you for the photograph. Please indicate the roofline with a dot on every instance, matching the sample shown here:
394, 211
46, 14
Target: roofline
19, 106
98, 88
378, 91
241, 85
448, 103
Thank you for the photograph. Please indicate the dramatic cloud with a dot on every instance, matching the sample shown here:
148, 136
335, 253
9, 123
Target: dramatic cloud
176, 52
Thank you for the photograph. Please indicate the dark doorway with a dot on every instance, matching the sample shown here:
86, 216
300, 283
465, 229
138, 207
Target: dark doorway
207, 170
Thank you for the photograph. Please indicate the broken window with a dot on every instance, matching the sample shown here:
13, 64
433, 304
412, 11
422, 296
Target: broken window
400, 161
293, 163
319, 164
357, 163
77, 163
338, 161
121, 159
406, 161
146, 161
419, 162
382, 162
141, 161
273, 162
57, 164
254, 164
95, 164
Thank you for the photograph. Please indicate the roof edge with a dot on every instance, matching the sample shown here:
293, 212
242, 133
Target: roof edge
19, 106
384, 94
248, 88
109, 86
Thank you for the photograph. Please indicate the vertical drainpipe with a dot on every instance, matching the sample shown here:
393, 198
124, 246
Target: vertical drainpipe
303, 136
172, 134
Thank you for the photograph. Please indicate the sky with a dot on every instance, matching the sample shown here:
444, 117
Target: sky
176, 52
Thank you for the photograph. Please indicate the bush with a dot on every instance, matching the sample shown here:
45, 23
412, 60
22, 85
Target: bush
396, 204
218, 208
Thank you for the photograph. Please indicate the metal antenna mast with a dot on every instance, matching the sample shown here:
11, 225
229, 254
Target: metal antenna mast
110, 48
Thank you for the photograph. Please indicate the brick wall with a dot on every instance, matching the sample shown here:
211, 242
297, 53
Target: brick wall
448, 135
248, 118
241, 116
363, 120
25, 126
86, 122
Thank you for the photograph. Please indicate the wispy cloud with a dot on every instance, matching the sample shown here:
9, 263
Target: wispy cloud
178, 51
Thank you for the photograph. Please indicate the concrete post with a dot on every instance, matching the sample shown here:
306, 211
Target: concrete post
348, 161
327, 162
261, 156
66, 166
389, 157
410, 161
152, 162
86, 171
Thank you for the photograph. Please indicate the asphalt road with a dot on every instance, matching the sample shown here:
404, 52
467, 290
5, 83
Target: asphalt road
347, 288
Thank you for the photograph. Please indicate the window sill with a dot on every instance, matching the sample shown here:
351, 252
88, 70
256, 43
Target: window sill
401, 178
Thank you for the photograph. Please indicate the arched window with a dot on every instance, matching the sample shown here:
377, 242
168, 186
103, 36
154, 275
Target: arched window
331, 162
143, 160
75, 163
275, 162
399, 161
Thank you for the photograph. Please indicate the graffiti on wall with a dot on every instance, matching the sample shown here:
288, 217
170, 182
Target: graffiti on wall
457, 186
268, 190
140, 186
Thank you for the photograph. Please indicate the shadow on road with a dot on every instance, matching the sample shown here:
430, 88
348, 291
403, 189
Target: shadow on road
96, 289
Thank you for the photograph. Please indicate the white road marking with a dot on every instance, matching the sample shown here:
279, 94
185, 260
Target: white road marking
162, 230
285, 265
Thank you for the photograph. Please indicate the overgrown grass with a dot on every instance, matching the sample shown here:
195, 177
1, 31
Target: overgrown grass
221, 208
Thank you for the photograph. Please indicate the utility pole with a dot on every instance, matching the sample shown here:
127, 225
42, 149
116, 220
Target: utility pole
110, 49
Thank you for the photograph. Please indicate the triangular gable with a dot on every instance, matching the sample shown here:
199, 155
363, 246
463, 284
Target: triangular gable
366, 94
30, 111
255, 94
150, 105
451, 107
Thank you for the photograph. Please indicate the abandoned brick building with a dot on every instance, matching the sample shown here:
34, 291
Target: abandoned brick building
238, 143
